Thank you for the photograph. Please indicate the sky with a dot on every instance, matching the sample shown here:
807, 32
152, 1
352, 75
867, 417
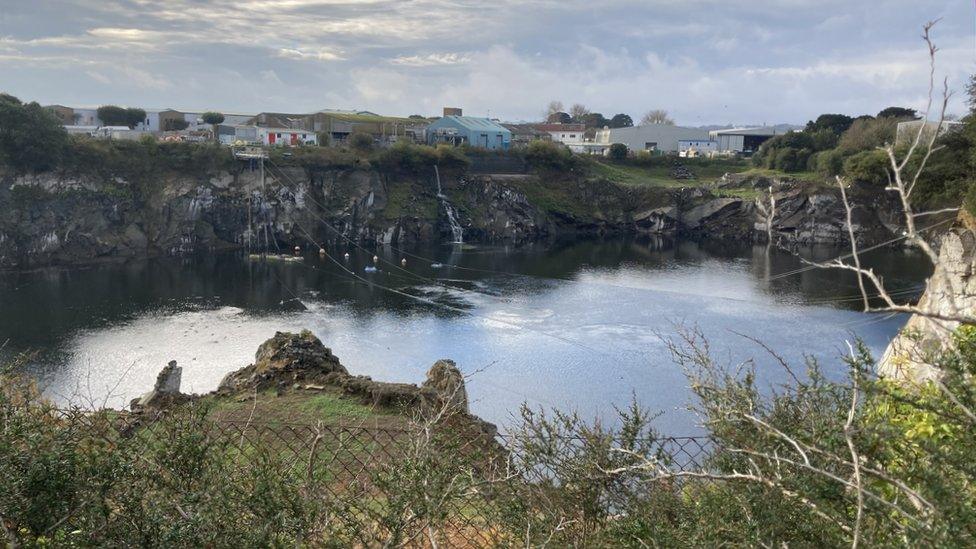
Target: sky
704, 61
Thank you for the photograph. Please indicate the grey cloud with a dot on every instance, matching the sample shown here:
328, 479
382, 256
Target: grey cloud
707, 61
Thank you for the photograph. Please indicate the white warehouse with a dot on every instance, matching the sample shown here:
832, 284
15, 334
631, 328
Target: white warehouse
652, 137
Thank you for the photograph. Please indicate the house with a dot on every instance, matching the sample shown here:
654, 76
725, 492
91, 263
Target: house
85, 117
161, 121
744, 140
523, 134
563, 133
651, 137
907, 131
286, 137
457, 129
231, 134
65, 114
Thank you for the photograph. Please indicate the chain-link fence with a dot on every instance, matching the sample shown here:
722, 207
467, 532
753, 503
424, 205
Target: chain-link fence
425, 486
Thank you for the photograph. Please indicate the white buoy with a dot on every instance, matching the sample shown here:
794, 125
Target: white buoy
376, 259
346, 256
321, 251
298, 250
403, 262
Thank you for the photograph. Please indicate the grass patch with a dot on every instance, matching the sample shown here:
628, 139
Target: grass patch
307, 407
808, 177
331, 405
554, 196
657, 172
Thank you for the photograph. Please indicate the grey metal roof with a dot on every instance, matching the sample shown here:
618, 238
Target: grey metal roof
477, 124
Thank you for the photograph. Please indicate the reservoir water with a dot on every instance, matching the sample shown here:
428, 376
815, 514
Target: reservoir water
576, 325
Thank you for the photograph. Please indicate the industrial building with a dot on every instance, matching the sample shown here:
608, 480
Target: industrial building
652, 137
456, 130
743, 140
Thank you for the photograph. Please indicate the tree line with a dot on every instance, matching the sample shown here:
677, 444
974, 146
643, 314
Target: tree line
556, 113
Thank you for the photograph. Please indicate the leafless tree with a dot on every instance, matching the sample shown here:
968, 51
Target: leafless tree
656, 116
554, 107
578, 111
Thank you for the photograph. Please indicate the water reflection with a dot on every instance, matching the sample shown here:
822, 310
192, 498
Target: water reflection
577, 326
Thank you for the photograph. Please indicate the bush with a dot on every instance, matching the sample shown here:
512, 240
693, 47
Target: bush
549, 156
827, 163
618, 151
31, 137
362, 143
406, 158
867, 134
867, 167
452, 158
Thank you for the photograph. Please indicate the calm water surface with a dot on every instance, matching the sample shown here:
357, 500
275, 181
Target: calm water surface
579, 327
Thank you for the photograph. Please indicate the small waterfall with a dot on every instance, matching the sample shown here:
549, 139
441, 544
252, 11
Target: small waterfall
456, 230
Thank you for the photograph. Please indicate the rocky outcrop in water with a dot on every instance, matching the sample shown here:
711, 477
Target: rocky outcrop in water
290, 361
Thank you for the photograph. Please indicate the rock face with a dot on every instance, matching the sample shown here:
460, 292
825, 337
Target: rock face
950, 291
165, 392
54, 218
805, 213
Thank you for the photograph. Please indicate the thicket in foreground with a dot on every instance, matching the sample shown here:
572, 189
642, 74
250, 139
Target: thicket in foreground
819, 462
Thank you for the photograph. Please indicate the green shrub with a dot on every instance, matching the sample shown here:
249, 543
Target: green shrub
618, 151
549, 156
31, 137
405, 158
867, 167
452, 158
362, 143
827, 163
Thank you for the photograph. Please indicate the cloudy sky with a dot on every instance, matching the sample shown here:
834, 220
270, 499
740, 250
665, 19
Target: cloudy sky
705, 61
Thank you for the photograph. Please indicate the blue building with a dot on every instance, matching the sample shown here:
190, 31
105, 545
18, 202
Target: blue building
455, 129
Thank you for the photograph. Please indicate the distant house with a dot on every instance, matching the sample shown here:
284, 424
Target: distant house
85, 117
65, 114
907, 131
469, 130
563, 133
651, 137
743, 140
285, 137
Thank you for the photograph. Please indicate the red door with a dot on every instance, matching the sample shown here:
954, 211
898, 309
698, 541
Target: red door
294, 139
271, 139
